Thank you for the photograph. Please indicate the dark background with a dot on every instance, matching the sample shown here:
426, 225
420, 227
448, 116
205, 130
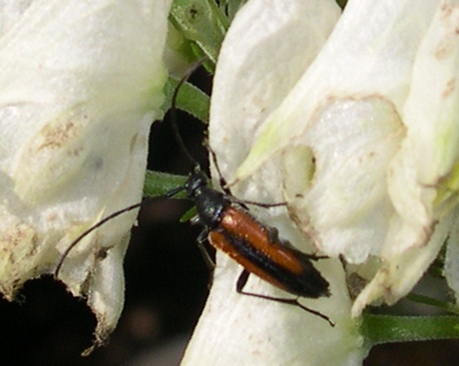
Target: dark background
166, 286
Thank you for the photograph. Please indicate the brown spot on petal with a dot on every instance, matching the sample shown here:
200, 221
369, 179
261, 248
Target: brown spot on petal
450, 21
446, 10
54, 136
445, 47
449, 88
17, 235
18, 243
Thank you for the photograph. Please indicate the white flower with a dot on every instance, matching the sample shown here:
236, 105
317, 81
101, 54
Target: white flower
81, 82
355, 125
259, 63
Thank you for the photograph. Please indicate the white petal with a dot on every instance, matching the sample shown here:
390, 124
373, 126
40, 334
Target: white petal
107, 297
81, 83
423, 176
258, 67
345, 207
371, 51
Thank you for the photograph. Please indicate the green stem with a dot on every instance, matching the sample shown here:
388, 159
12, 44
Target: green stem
378, 329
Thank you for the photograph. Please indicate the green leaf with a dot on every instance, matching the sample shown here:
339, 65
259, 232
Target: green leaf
443, 305
189, 99
158, 184
187, 216
201, 22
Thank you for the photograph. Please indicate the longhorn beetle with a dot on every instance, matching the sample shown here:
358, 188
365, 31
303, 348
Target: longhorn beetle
229, 227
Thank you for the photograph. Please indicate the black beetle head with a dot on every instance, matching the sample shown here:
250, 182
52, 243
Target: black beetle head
195, 182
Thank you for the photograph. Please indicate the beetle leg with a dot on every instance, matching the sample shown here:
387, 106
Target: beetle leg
200, 240
242, 281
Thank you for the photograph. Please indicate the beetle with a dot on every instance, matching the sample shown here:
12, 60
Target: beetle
228, 226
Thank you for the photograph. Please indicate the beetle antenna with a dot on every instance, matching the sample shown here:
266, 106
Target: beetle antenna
108, 218
174, 124
88, 231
